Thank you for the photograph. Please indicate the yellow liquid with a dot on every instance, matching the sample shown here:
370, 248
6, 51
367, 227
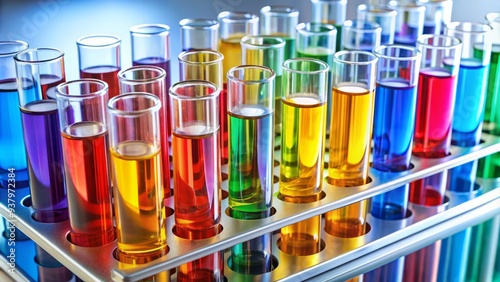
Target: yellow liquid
302, 148
350, 135
347, 222
138, 198
302, 238
231, 49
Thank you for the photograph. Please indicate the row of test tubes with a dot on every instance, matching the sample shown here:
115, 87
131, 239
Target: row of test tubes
275, 88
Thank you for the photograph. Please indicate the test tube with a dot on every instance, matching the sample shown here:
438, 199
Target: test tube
409, 22
12, 151
199, 34
135, 148
437, 15
353, 98
251, 162
470, 96
317, 40
196, 158
280, 21
84, 130
99, 58
207, 65
435, 105
330, 12
39, 71
394, 122
304, 97
233, 26
267, 51
152, 79
385, 16
361, 35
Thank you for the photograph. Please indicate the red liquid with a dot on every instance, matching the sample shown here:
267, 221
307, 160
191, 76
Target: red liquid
49, 83
108, 74
197, 193
429, 191
206, 269
435, 102
85, 147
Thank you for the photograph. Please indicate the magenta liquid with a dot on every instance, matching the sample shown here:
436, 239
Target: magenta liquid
45, 160
435, 102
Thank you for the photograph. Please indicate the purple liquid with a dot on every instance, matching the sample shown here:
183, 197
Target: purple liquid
45, 160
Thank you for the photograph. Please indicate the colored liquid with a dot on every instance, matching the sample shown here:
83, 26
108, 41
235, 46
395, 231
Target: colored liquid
348, 221
223, 125
206, 269
469, 103
435, 102
429, 191
325, 55
231, 49
12, 152
302, 238
393, 124
391, 205
196, 182
289, 51
108, 74
252, 257
429, 28
302, 148
43, 88
352, 119
45, 160
85, 147
250, 183
138, 198
164, 117
489, 166
423, 264
463, 177
407, 35
492, 109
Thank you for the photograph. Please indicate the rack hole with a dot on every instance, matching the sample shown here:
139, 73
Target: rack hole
298, 248
138, 258
250, 215
258, 265
197, 234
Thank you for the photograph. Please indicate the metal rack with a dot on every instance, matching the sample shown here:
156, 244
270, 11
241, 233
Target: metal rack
340, 259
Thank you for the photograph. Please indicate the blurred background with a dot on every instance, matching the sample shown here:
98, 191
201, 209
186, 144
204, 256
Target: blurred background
59, 23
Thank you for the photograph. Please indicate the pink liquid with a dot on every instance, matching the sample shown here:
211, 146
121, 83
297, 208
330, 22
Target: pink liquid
108, 74
224, 126
435, 102
48, 84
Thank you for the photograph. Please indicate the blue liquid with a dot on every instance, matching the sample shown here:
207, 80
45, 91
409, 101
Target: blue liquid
469, 103
429, 28
385, 39
391, 272
407, 36
393, 124
462, 178
391, 205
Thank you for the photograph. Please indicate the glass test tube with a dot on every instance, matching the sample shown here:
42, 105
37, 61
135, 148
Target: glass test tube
317, 40
233, 26
197, 174
394, 122
385, 16
251, 162
489, 166
304, 97
39, 71
409, 22
353, 97
470, 96
280, 21
207, 65
435, 104
50, 269
196, 158
361, 35
84, 130
135, 147
152, 80
151, 46
199, 34
99, 58
12, 151
330, 12
437, 15
267, 51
